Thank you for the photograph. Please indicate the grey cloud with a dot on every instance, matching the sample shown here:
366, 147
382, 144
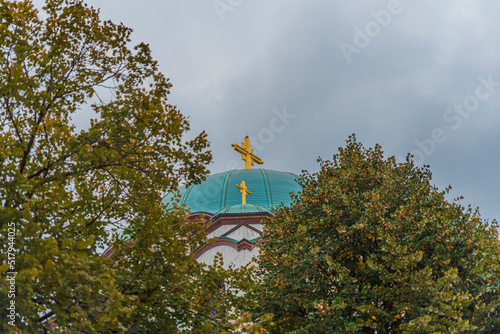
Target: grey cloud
230, 74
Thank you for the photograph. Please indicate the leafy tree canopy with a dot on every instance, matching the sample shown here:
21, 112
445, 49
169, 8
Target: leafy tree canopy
370, 246
66, 193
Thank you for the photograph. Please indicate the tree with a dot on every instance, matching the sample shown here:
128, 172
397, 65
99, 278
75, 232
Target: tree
66, 194
222, 299
370, 246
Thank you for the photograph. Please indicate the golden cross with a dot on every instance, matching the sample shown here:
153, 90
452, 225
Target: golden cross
244, 191
247, 153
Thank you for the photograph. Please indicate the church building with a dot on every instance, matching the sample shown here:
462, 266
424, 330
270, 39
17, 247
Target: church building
232, 205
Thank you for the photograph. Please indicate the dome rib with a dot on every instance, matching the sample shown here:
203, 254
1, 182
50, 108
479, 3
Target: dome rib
186, 194
270, 197
223, 194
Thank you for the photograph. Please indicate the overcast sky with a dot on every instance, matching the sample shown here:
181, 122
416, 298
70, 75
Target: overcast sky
300, 76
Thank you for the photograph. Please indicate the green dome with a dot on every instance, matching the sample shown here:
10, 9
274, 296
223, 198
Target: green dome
269, 189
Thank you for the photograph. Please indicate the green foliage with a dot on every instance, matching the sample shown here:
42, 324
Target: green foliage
67, 194
371, 246
222, 298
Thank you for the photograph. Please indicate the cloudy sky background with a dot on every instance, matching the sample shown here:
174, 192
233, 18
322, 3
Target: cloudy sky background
237, 64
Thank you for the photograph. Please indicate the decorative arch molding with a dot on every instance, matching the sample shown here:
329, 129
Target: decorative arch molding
203, 217
238, 246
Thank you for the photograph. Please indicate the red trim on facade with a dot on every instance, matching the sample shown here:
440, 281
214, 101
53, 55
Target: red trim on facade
243, 244
228, 220
108, 252
238, 226
202, 217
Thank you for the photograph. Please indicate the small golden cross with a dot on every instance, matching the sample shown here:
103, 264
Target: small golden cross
247, 153
244, 191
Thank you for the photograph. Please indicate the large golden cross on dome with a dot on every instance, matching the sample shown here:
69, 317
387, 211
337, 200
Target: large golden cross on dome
247, 153
244, 191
